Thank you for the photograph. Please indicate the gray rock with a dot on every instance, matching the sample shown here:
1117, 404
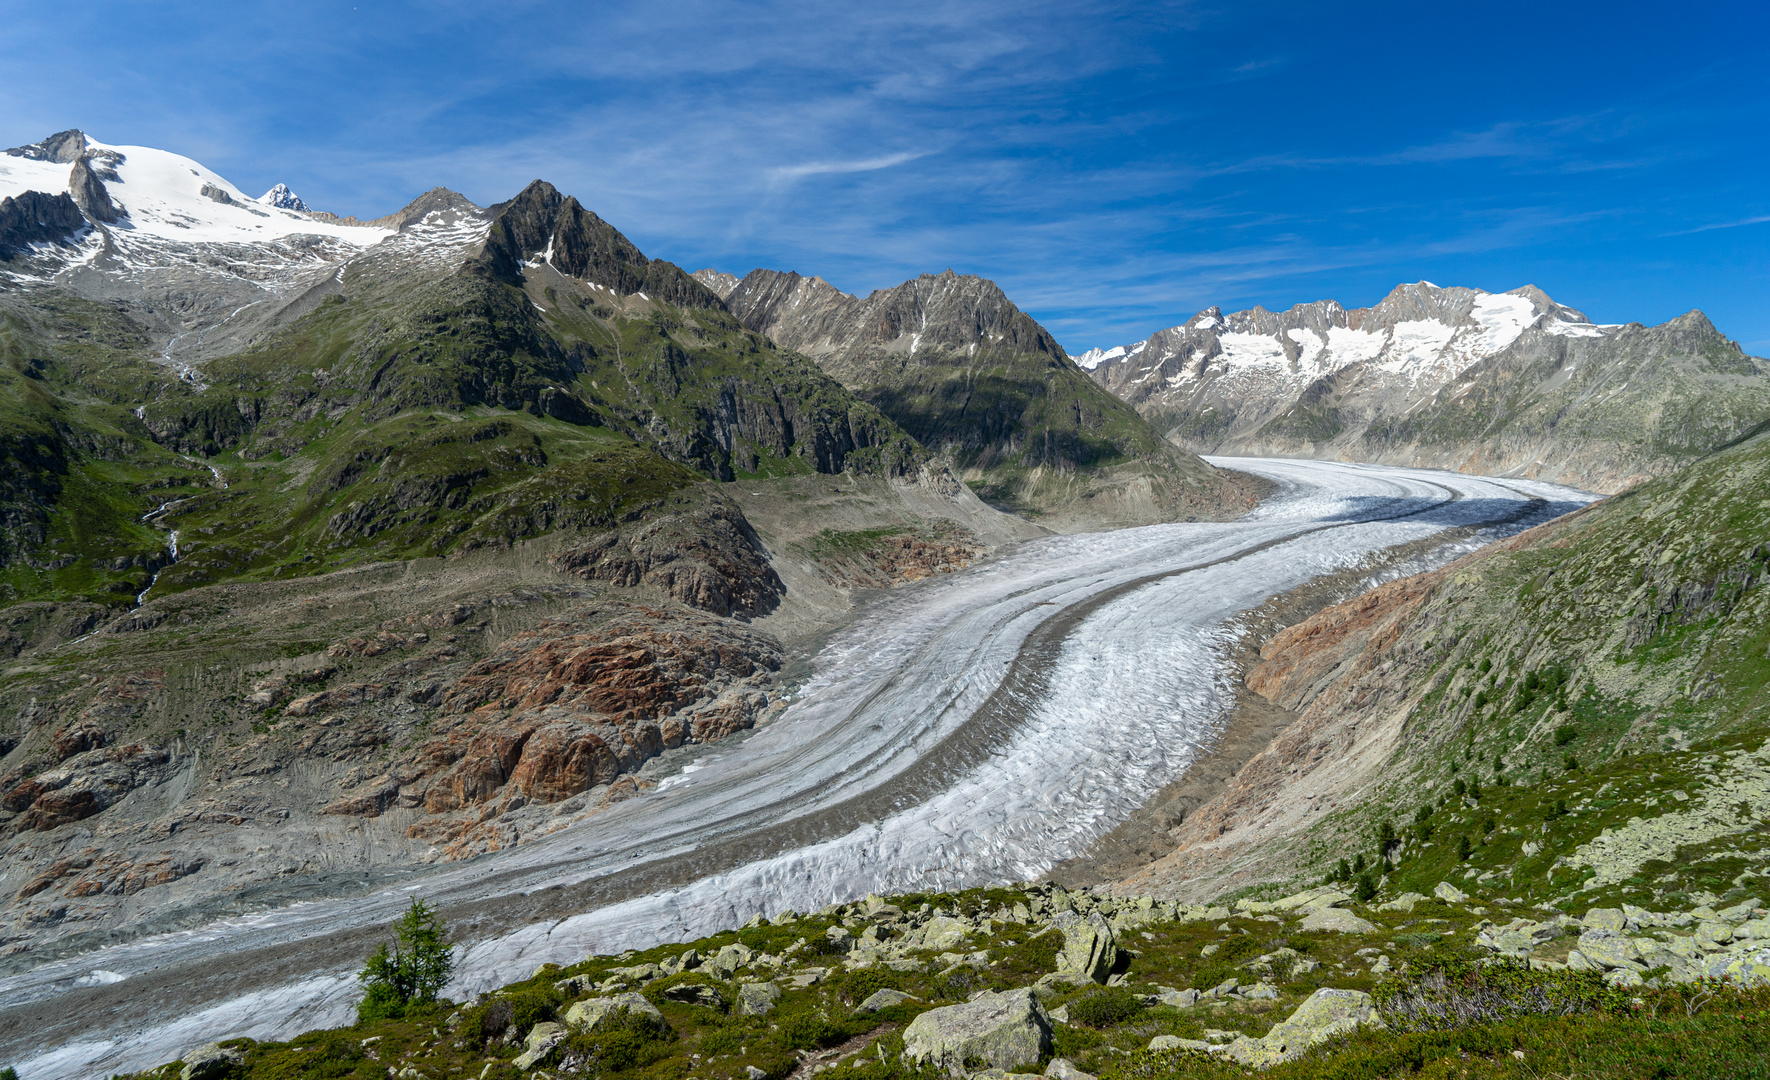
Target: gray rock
210, 1060
1090, 948
542, 1038
1008, 1030
758, 998
1606, 919
883, 999
593, 1014
1175, 1042
89, 194
62, 148
1608, 948
1450, 894
1325, 1014
1064, 1069
1403, 903
1336, 919
695, 994
1179, 999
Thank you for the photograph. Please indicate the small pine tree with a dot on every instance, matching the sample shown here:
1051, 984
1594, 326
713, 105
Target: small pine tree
1367, 889
1474, 789
9, 1073
1464, 848
414, 971
1572, 763
1343, 872
1358, 863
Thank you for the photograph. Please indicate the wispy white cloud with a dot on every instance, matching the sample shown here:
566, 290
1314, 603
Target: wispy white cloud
1758, 220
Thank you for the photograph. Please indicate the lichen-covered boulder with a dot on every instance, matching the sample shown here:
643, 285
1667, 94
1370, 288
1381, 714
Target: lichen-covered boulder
1004, 1030
1609, 948
1064, 1069
1090, 948
944, 932
757, 998
1449, 893
883, 998
1175, 1042
1325, 1014
208, 1061
595, 1013
542, 1038
1336, 919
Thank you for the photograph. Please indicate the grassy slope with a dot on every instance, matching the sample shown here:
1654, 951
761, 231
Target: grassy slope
1579, 676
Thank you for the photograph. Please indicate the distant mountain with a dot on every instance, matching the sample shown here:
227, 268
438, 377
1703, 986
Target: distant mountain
283, 199
1500, 383
954, 362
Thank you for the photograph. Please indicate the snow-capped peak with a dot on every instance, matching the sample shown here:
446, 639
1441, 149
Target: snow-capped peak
282, 198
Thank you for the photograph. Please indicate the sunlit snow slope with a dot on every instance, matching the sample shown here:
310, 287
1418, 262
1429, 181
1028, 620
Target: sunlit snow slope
979, 728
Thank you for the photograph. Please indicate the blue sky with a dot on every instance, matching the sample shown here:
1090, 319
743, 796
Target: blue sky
1114, 167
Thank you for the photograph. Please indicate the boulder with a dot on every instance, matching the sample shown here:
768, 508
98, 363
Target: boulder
1179, 999
883, 998
595, 1013
1325, 1014
1336, 919
209, 1061
695, 994
1090, 948
1712, 935
1175, 1042
943, 932
1403, 903
757, 998
1064, 1069
1608, 948
1606, 919
724, 963
1450, 894
542, 1038
1007, 1030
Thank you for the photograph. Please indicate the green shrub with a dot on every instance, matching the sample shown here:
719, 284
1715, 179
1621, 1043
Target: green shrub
1366, 890
624, 1040
862, 983
1565, 734
1105, 1006
809, 1031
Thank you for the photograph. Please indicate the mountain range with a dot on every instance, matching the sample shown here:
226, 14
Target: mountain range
1456, 378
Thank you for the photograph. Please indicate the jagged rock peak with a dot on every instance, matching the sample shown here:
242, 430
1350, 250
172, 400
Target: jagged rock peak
945, 312
541, 227
281, 197
720, 282
62, 148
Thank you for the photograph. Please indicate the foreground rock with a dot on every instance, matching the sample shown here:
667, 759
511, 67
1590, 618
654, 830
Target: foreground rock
1006, 1030
1326, 1014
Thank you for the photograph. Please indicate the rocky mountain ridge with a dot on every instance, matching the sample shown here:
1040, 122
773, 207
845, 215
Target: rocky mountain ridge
1497, 383
951, 359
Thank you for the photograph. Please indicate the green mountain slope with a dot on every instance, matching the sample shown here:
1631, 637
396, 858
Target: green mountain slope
1576, 714
408, 412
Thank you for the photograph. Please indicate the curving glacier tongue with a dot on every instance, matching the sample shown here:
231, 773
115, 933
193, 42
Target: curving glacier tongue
976, 729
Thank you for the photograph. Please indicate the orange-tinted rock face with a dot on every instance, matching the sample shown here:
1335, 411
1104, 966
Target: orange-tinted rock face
571, 706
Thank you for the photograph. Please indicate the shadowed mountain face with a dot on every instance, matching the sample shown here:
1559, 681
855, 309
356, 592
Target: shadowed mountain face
954, 362
1501, 383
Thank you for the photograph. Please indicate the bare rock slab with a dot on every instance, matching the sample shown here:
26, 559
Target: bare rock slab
1004, 1030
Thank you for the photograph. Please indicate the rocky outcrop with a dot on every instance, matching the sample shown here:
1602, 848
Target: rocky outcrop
1324, 1015
543, 226
709, 559
32, 217
572, 705
62, 148
89, 194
